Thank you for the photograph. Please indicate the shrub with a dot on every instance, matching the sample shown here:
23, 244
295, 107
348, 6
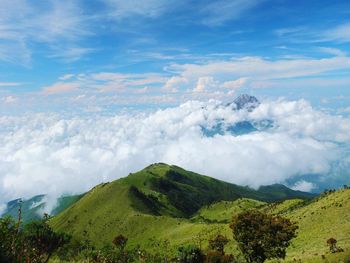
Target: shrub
332, 243
189, 254
120, 241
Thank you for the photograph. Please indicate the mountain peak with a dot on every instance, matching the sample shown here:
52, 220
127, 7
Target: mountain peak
246, 101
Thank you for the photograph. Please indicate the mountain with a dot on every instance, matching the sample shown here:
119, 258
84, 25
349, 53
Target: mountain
246, 101
163, 190
243, 102
280, 191
158, 198
32, 209
164, 206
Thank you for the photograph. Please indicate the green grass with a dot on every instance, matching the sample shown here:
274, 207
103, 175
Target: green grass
222, 212
320, 220
107, 210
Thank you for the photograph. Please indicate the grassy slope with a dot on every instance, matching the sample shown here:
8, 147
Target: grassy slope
318, 220
107, 210
129, 206
222, 211
327, 217
156, 202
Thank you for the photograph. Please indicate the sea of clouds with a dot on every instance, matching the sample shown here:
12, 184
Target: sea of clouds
54, 154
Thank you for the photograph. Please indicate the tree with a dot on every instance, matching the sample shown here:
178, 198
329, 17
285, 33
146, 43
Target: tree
261, 236
218, 243
120, 241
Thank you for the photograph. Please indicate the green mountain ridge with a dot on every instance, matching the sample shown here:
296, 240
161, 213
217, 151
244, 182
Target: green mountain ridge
158, 199
161, 189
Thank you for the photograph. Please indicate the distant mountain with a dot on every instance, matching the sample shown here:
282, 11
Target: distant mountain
159, 196
246, 101
280, 191
32, 209
243, 102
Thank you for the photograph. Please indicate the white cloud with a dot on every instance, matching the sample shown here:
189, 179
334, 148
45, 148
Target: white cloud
174, 83
2, 208
256, 72
9, 99
46, 153
304, 186
333, 51
235, 84
259, 68
204, 83
66, 77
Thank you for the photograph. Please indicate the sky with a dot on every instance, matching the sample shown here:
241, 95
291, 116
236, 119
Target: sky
93, 90
102, 55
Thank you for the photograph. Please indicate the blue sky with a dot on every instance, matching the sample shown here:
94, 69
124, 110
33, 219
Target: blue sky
99, 55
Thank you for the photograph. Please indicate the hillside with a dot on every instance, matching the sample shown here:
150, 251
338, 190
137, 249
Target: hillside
163, 206
154, 202
171, 190
325, 217
165, 190
320, 219
221, 212
113, 208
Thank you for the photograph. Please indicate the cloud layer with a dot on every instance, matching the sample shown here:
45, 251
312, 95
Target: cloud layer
51, 153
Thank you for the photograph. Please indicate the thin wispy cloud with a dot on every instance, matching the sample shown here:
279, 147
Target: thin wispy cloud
337, 34
10, 84
333, 51
340, 33
218, 12
59, 25
220, 79
61, 87
120, 9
